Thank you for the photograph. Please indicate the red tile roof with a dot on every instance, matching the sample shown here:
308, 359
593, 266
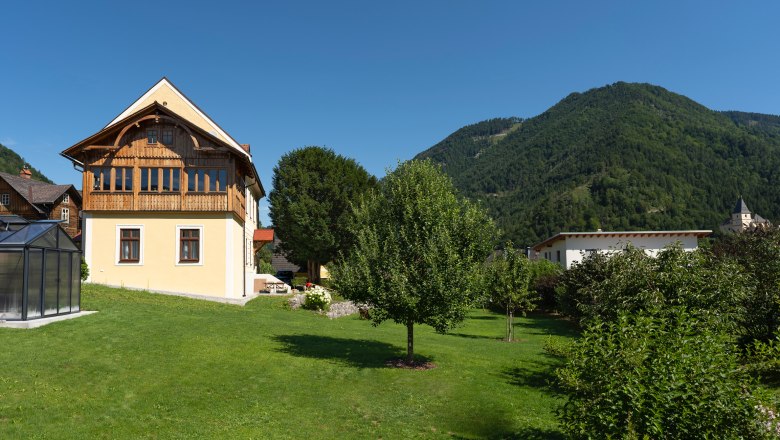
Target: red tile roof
266, 235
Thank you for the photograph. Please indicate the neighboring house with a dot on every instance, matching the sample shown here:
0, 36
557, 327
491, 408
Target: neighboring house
568, 248
280, 263
742, 219
170, 200
34, 200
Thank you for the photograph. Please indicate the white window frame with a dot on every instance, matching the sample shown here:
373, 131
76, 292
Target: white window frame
65, 215
5, 199
201, 243
117, 245
65, 198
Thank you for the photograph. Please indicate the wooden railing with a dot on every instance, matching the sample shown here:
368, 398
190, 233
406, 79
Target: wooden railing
159, 202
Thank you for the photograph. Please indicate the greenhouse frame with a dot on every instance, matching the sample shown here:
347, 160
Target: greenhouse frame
40, 270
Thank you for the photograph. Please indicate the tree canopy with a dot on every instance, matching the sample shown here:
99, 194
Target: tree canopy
312, 191
418, 251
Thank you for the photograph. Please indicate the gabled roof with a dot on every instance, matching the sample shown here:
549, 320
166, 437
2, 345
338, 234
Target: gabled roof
264, 235
168, 95
35, 192
618, 234
741, 207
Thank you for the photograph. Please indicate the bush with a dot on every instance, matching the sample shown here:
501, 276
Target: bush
84, 269
656, 377
631, 282
317, 298
265, 267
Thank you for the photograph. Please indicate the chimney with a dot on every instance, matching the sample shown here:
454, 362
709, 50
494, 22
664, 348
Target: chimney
245, 147
25, 173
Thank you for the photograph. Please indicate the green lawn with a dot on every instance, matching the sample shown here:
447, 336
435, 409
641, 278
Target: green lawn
155, 366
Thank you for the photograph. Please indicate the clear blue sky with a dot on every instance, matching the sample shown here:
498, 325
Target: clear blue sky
376, 81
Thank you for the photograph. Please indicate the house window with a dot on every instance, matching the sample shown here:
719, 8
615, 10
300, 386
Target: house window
151, 137
65, 198
123, 179
167, 137
189, 245
201, 180
5, 199
65, 214
558, 256
101, 179
129, 245
170, 179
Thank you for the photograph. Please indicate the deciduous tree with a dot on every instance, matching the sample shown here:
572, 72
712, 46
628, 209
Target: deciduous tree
418, 251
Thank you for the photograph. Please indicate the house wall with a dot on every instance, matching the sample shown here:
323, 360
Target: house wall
576, 248
73, 225
219, 274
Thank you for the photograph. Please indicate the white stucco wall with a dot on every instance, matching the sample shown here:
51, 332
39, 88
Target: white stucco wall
575, 248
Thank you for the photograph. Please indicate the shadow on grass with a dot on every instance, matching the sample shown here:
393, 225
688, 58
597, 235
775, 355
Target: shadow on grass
466, 335
546, 324
360, 353
543, 379
486, 318
521, 434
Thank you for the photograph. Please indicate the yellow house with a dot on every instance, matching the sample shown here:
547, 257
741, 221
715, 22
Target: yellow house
169, 200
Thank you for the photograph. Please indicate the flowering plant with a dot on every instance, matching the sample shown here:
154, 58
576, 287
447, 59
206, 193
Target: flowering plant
317, 298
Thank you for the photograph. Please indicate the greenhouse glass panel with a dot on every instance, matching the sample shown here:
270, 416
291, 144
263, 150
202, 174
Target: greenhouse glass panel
24, 235
48, 239
64, 294
75, 281
11, 283
34, 282
65, 242
51, 285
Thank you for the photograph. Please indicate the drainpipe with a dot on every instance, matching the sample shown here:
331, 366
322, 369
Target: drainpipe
243, 240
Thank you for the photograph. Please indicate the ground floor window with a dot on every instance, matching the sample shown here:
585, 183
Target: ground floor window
129, 244
190, 244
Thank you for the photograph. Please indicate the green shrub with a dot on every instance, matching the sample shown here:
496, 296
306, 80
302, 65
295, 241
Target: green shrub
630, 282
656, 377
317, 298
265, 267
84, 269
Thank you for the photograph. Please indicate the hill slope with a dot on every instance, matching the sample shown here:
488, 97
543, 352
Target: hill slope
624, 156
12, 163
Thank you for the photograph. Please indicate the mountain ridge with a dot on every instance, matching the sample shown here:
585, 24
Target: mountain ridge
623, 156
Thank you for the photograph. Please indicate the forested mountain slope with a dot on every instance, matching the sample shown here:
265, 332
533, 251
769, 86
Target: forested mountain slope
12, 163
621, 157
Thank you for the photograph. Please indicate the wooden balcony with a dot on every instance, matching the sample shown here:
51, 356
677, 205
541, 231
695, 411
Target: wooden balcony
164, 202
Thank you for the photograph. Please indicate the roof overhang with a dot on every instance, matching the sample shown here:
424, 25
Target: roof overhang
698, 233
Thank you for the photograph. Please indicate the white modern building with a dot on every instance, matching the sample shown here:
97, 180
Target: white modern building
568, 248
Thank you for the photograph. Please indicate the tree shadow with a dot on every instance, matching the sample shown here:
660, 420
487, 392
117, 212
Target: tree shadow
545, 324
361, 353
466, 335
485, 318
538, 379
521, 434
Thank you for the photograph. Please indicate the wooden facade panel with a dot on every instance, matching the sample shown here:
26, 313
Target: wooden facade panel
103, 201
159, 202
204, 202
17, 205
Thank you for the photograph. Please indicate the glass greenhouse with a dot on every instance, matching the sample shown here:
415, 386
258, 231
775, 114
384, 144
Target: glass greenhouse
40, 270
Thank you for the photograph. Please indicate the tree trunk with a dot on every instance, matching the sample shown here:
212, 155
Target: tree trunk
511, 325
313, 271
409, 342
508, 325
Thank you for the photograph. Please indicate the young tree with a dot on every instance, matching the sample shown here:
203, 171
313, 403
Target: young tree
418, 251
312, 191
508, 277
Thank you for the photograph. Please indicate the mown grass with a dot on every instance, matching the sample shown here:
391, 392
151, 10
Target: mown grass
155, 366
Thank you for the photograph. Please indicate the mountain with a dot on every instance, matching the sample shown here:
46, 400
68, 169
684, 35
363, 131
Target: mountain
12, 163
622, 157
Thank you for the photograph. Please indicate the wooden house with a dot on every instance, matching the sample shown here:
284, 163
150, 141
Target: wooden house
33, 200
170, 200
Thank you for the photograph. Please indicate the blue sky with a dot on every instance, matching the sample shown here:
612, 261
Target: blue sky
376, 81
